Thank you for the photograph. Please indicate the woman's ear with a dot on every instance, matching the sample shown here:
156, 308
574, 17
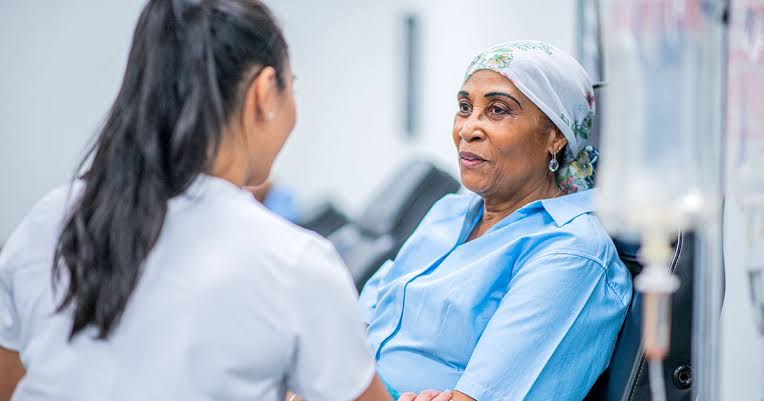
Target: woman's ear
558, 142
261, 95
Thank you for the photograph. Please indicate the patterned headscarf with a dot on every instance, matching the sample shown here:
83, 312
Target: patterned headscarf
556, 83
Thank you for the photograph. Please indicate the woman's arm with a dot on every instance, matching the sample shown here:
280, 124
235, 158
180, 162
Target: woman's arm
13, 371
552, 334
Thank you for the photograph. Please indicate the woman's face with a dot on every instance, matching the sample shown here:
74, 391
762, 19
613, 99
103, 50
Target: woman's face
499, 139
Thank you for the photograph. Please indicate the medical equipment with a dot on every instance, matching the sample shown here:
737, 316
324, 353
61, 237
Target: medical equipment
661, 157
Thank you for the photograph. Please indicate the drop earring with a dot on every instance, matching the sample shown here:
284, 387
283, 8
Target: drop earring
554, 164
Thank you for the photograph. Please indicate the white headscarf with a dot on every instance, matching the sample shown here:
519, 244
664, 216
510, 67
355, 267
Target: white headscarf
556, 83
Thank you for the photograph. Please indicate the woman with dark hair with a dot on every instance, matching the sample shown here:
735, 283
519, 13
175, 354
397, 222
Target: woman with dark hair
154, 276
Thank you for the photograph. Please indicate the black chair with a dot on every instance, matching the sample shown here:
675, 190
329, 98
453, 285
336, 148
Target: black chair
626, 378
324, 219
394, 212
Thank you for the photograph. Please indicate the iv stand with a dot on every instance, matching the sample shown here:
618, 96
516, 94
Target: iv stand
708, 279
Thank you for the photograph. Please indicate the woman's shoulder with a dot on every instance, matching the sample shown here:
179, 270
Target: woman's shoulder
247, 225
34, 238
585, 244
247, 245
295, 260
586, 237
572, 226
595, 242
241, 224
54, 204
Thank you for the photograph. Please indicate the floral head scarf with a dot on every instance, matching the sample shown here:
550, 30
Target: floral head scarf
559, 86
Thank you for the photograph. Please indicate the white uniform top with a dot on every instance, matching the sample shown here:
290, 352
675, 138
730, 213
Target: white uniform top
233, 304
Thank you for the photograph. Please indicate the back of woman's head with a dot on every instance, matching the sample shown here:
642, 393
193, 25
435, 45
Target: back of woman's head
188, 63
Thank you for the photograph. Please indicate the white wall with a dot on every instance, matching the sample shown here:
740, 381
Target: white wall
345, 57
348, 61
63, 63
455, 31
61, 66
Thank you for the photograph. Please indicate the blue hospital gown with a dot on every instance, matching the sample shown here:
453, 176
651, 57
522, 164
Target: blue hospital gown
528, 311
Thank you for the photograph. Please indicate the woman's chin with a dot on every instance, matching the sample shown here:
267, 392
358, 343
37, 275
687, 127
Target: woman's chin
473, 182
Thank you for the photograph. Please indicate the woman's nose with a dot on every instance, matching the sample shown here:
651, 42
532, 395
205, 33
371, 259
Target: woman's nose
471, 132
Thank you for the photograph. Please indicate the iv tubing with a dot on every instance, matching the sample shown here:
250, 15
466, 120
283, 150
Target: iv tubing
657, 384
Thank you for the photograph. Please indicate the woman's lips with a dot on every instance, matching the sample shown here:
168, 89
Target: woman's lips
468, 159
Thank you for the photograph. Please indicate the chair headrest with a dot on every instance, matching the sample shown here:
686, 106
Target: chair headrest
628, 251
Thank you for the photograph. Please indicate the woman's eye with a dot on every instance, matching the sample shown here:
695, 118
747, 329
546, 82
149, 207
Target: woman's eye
498, 110
464, 107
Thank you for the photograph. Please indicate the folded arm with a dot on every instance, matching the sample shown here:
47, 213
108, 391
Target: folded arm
551, 336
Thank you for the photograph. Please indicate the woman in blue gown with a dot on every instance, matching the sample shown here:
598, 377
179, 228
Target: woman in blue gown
513, 291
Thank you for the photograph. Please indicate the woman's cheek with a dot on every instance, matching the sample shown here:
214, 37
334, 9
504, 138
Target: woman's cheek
455, 135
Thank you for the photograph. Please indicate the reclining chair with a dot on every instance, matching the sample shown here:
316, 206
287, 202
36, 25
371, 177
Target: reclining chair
391, 217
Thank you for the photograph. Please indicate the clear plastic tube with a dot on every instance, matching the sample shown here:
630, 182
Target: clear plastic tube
656, 331
657, 285
657, 384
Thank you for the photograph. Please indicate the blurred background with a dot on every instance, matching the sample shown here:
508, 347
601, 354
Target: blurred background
376, 88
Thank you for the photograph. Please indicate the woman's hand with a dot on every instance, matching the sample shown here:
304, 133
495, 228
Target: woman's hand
427, 395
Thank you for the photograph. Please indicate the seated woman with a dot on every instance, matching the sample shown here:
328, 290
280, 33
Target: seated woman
514, 292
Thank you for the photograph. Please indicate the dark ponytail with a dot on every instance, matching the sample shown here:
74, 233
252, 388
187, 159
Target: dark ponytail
182, 83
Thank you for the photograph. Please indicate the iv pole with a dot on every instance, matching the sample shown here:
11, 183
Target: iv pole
683, 44
709, 269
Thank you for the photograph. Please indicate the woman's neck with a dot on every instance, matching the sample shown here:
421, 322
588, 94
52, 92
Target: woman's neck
231, 161
497, 207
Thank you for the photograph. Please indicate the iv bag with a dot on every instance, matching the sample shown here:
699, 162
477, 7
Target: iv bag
659, 166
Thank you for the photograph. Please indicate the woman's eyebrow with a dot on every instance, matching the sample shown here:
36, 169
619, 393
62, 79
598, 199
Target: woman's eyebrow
463, 94
491, 94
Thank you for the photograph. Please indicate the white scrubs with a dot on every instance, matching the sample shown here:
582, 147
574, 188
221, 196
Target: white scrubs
233, 304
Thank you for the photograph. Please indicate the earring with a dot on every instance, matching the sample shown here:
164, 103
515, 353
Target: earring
270, 116
554, 164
